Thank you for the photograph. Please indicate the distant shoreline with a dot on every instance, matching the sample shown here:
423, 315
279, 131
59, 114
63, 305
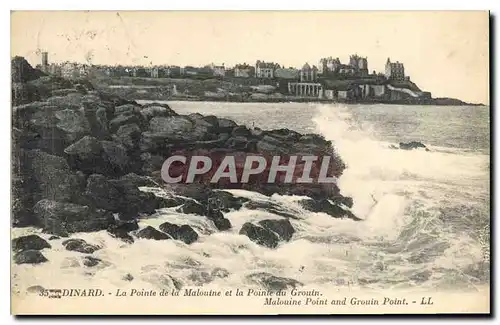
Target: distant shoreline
157, 90
298, 101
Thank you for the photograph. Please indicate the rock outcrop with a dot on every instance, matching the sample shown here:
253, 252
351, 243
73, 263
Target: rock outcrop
82, 158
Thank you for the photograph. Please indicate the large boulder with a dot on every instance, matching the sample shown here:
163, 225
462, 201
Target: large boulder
282, 227
116, 157
54, 128
226, 125
29, 257
127, 109
179, 129
80, 245
156, 110
184, 233
151, 233
38, 175
192, 207
325, 206
122, 195
260, 235
71, 101
62, 218
225, 201
222, 223
269, 207
29, 242
123, 119
129, 135
102, 193
86, 155
121, 230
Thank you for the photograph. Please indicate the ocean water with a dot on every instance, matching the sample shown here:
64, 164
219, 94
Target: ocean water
426, 213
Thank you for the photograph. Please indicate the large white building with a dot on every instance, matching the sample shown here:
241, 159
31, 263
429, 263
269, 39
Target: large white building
308, 85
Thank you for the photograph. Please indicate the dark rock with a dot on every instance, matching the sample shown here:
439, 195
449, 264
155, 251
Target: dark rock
54, 237
273, 283
212, 120
115, 154
195, 116
47, 177
121, 230
129, 135
282, 227
269, 207
170, 228
86, 155
272, 145
259, 235
222, 224
185, 233
191, 207
61, 218
178, 129
151, 163
237, 143
122, 195
313, 139
157, 110
128, 277
133, 200
151, 233
197, 191
91, 261
57, 128
79, 245
72, 101
22, 71
345, 200
411, 145
102, 194
29, 242
120, 120
225, 201
152, 142
64, 92
284, 134
241, 131
226, 124
323, 205
170, 202
29, 257
24, 93
127, 109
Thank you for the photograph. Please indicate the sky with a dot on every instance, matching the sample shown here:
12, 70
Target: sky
444, 52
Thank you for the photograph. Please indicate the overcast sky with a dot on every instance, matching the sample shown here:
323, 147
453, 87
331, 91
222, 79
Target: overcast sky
443, 52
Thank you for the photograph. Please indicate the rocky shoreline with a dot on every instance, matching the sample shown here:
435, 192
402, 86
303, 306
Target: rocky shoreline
81, 159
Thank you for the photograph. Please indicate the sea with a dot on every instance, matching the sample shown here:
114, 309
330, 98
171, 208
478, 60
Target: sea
426, 214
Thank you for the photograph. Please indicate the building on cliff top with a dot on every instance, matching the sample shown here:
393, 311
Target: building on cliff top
265, 69
394, 70
244, 71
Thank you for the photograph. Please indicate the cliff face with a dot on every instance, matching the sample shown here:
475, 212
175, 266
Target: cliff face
79, 156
